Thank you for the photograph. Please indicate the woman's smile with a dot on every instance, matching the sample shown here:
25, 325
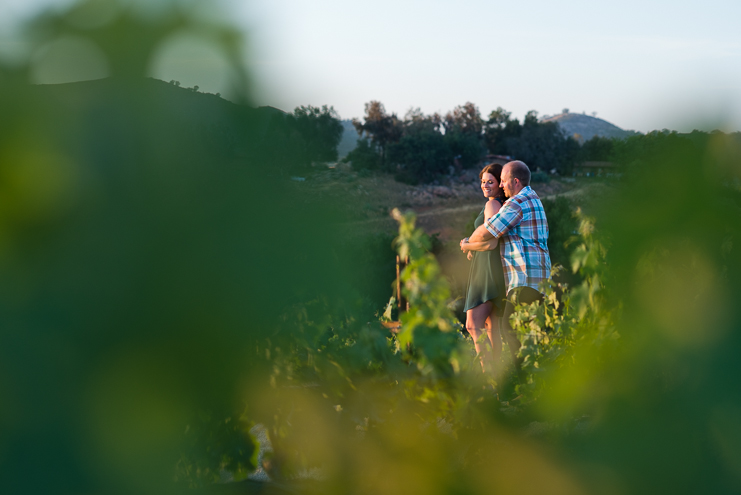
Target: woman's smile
489, 185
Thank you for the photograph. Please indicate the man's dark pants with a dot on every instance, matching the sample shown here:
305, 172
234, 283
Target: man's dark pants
518, 295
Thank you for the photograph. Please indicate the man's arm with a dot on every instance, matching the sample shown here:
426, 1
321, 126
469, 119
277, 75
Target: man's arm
489, 245
505, 220
507, 217
480, 234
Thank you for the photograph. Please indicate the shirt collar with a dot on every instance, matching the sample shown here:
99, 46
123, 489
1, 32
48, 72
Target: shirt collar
525, 190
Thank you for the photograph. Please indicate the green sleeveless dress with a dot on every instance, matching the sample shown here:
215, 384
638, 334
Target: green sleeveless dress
485, 277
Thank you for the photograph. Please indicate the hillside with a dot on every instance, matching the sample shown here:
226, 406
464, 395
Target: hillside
585, 127
349, 139
182, 118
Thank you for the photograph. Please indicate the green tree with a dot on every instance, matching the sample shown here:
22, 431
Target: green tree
543, 145
415, 121
420, 157
464, 129
539, 144
637, 151
382, 128
467, 148
464, 118
597, 149
531, 119
498, 129
364, 156
321, 131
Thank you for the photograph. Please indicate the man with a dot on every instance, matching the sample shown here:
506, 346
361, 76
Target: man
522, 228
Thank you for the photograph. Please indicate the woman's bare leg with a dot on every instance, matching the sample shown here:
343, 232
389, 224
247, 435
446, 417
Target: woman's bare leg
476, 325
495, 338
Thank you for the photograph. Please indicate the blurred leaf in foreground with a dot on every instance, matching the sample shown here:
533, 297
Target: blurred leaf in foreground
143, 250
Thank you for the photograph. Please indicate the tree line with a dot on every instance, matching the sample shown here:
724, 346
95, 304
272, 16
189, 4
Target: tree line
421, 148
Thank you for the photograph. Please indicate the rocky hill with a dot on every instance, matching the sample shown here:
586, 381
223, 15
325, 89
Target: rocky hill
585, 127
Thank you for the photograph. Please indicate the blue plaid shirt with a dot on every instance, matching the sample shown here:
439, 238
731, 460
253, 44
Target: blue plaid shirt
522, 230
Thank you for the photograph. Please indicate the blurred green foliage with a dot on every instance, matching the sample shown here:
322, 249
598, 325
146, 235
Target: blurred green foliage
562, 227
216, 446
672, 273
162, 288
143, 256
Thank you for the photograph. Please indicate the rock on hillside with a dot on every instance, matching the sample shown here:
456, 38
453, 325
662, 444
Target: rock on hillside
584, 127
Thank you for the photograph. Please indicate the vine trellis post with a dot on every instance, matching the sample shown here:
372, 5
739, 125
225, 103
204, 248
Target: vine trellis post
402, 303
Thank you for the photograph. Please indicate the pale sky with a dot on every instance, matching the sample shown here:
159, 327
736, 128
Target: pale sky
640, 64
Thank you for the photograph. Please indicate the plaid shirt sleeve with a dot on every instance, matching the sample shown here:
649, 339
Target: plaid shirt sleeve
508, 217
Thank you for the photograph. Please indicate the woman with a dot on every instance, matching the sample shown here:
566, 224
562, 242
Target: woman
485, 291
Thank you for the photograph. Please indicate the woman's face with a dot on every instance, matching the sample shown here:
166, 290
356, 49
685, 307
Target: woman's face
489, 185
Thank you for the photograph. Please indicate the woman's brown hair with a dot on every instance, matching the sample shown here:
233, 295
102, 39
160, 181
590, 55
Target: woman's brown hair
496, 170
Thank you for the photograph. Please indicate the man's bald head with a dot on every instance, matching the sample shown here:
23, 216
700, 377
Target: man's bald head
519, 170
515, 178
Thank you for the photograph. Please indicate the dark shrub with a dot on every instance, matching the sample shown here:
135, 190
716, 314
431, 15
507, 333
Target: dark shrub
540, 176
562, 225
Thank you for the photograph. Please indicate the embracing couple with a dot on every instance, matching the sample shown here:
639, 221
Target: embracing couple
509, 258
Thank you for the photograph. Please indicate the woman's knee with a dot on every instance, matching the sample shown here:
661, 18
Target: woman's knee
477, 316
472, 328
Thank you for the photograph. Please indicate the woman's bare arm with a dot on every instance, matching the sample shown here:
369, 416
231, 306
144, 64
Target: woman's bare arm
483, 240
490, 209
